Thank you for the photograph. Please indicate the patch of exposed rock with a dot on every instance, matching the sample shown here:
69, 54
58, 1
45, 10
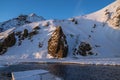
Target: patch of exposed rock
115, 18
83, 49
9, 41
57, 44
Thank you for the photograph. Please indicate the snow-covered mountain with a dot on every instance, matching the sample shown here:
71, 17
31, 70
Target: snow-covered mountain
93, 35
19, 21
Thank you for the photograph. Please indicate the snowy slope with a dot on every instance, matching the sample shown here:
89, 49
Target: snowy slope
94, 28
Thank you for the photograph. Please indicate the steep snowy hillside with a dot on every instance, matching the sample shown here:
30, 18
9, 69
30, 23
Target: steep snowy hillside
20, 20
96, 35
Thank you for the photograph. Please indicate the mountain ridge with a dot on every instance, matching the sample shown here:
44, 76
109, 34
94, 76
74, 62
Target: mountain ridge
19, 21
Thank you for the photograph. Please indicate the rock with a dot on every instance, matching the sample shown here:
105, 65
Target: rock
84, 49
36, 28
25, 34
1, 48
85, 46
10, 40
115, 19
31, 34
22, 17
57, 44
7, 42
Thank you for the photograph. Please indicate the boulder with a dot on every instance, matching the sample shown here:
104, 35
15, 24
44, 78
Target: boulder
84, 49
57, 44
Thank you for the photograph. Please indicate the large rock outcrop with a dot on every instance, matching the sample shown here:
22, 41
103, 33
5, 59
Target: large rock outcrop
9, 41
115, 19
57, 44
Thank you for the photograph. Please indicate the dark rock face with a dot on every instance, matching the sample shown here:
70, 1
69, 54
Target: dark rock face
57, 44
84, 49
7, 42
22, 17
25, 34
10, 40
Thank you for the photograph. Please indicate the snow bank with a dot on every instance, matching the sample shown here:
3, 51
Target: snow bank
33, 75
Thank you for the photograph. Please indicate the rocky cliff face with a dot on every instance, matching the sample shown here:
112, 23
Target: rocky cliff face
57, 44
115, 18
9, 41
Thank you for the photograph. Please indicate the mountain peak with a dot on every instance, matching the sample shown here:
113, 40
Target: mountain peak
110, 15
34, 18
32, 14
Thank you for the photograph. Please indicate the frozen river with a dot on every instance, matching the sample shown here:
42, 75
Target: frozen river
70, 71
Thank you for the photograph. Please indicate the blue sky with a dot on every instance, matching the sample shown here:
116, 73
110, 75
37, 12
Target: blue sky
50, 9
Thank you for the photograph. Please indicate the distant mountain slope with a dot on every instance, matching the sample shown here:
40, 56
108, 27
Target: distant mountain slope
93, 35
19, 21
